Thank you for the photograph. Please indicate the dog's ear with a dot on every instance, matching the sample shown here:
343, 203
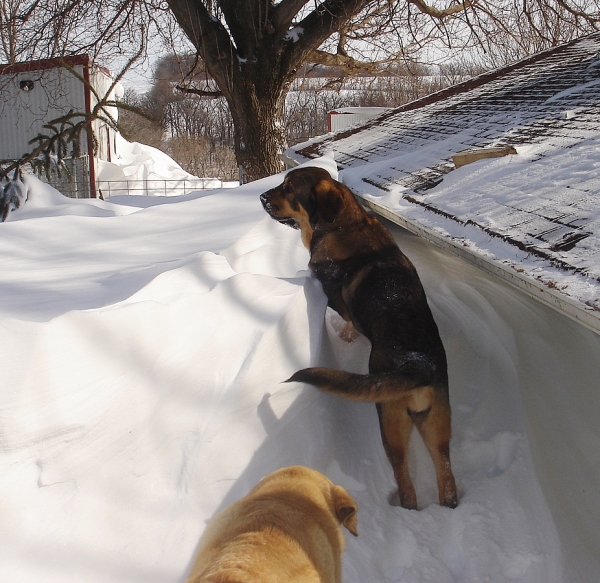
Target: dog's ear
345, 509
328, 199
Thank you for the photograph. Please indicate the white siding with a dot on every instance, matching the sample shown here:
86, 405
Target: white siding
104, 134
23, 113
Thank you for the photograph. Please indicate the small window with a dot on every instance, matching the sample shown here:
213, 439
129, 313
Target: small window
26, 85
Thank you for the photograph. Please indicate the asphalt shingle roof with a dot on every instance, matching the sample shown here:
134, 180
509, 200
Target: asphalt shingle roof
548, 108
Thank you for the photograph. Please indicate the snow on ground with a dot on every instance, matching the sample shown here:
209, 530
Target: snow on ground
143, 170
142, 349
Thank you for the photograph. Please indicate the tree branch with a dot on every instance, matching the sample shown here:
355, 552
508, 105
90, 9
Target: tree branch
199, 92
284, 13
441, 14
243, 23
578, 13
348, 65
208, 36
326, 19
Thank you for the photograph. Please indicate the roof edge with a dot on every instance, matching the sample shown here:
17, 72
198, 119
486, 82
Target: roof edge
312, 150
56, 62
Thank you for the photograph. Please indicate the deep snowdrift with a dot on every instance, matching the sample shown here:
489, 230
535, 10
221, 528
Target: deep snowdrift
140, 169
141, 357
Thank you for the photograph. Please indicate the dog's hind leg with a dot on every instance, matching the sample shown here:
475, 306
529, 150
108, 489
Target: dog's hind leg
434, 427
396, 425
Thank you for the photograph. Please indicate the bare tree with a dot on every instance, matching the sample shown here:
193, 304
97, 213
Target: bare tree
147, 129
251, 50
194, 130
39, 29
197, 131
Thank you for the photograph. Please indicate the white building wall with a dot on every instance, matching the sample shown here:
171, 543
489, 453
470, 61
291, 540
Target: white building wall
105, 135
52, 93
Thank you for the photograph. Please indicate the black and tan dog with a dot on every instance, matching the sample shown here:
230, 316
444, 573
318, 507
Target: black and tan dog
375, 288
286, 529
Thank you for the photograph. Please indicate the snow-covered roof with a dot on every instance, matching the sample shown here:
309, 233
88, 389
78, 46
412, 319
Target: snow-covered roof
533, 216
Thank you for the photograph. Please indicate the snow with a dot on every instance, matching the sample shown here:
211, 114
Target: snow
294, 34
143, 345
144, 170
532, 178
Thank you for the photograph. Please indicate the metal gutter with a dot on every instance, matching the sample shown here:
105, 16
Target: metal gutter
533, 288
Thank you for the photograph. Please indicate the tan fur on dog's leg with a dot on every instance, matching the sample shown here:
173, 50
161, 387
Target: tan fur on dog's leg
435, 430
396, 426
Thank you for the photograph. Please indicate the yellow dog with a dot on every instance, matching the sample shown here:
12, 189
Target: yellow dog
286, 530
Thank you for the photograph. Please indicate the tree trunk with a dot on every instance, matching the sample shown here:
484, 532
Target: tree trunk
260, 137
251, 54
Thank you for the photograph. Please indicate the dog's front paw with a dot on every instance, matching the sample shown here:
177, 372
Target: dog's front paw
450, 499
349, 333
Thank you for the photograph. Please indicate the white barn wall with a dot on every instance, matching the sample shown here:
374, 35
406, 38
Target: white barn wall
345, 117
55, 92
57, 87
102, 82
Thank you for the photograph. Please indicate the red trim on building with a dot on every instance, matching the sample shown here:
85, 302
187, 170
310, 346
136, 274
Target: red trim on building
329, 114
43, 64
90, 141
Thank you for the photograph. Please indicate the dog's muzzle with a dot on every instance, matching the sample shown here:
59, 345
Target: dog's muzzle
268, 206
264, 199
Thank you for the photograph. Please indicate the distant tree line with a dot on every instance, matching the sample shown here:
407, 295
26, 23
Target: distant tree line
197, 130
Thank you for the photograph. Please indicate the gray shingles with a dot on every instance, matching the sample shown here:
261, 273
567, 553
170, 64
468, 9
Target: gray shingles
551, 100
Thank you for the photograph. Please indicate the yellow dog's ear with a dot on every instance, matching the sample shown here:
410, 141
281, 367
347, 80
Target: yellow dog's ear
328, 199
345, 509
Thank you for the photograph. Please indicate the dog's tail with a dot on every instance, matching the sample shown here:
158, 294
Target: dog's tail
374, 387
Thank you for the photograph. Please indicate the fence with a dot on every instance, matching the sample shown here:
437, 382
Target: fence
151, 187
72, 178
